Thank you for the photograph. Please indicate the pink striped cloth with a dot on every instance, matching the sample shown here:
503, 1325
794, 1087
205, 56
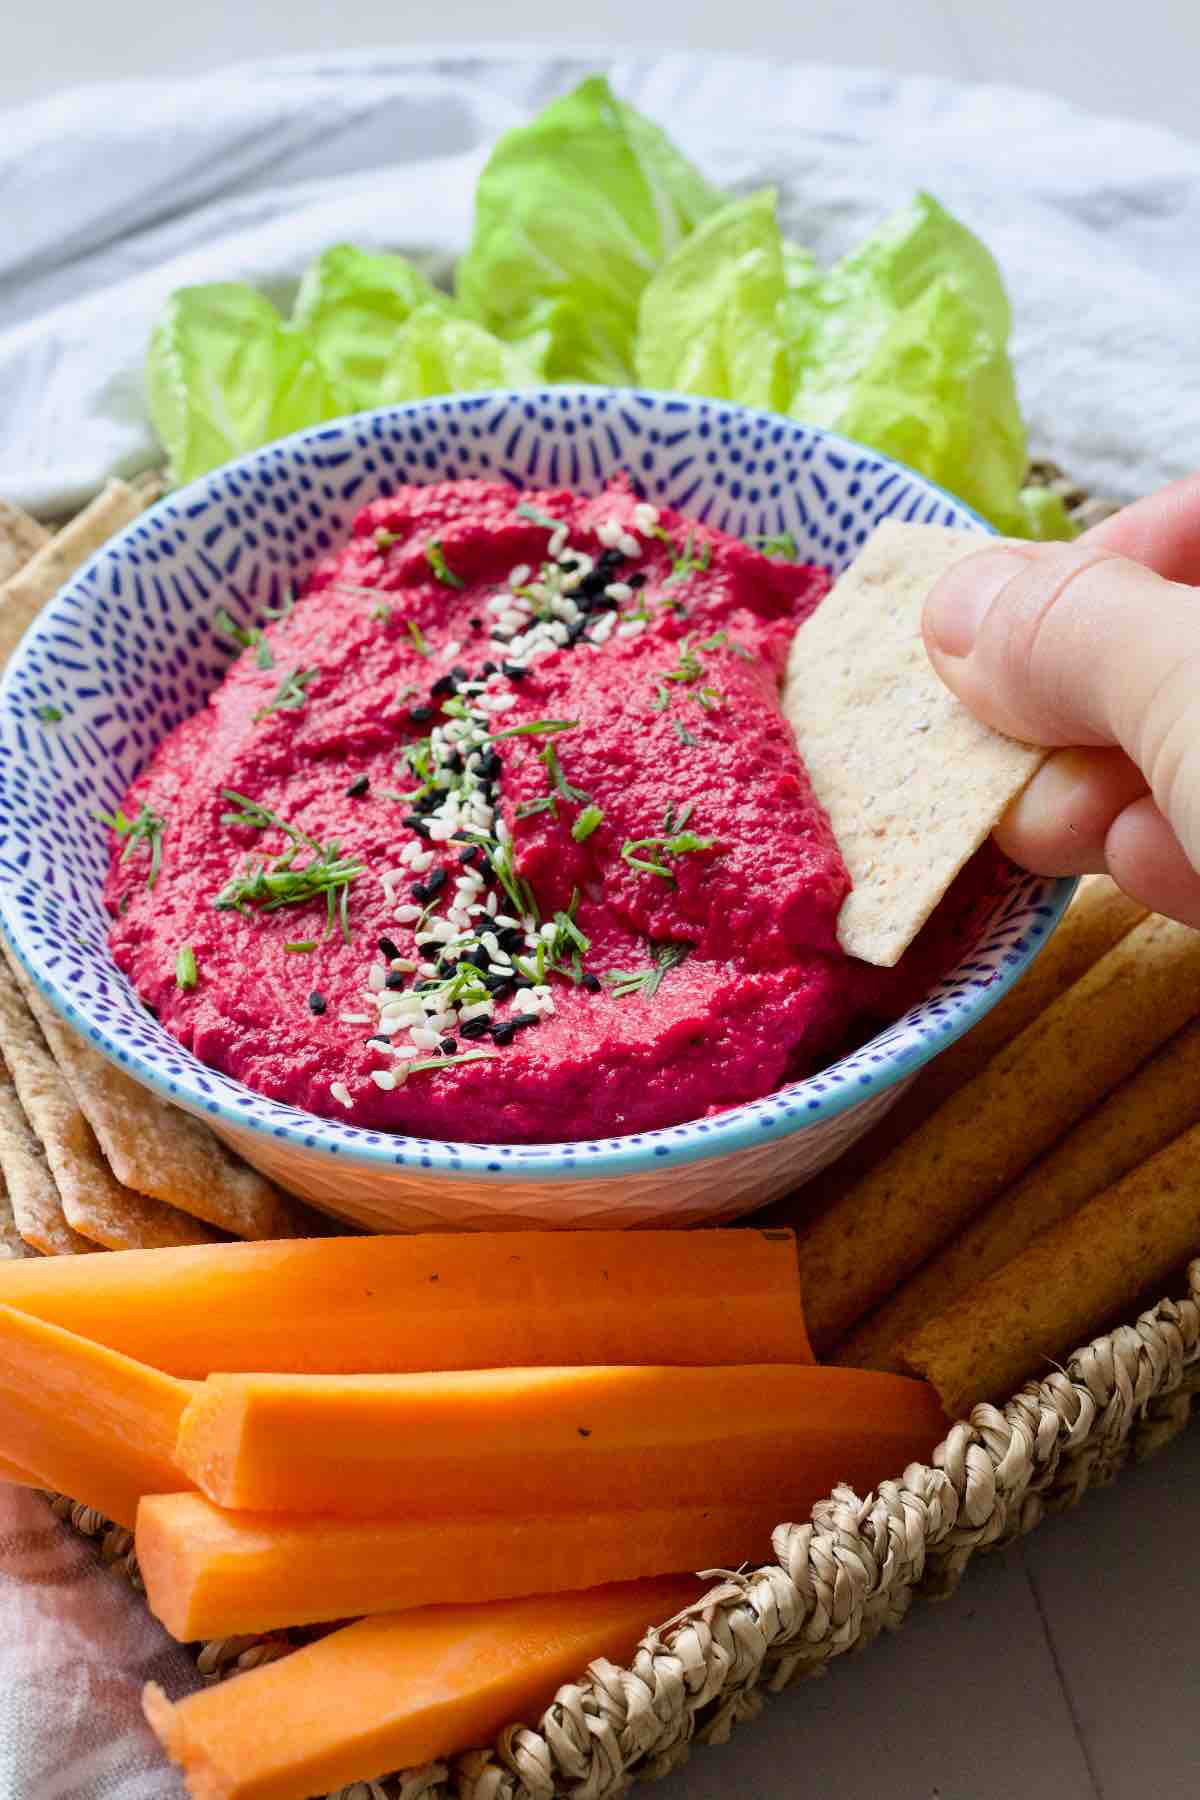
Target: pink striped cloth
76, 1645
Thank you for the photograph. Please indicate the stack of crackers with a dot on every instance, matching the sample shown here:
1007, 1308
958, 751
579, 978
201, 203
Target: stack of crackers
89, 1159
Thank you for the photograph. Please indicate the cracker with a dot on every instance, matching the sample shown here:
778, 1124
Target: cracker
23, 595
913, 784
988, 1133
94, 1202
20, 538
1074, 1279
32, 1200
155, 1148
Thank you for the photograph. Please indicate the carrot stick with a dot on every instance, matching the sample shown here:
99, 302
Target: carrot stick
360, 1305
1071, 1281
511, 1441
212, 1574
991, 1130
398, 1690
92, 1424
1137, 1120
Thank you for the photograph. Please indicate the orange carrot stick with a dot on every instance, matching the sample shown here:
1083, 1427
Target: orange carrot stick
510, 1441
377, 1304
212, 1574
93, 1424
398, 1690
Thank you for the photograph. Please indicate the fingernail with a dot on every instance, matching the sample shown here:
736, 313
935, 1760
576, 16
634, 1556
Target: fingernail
964, 596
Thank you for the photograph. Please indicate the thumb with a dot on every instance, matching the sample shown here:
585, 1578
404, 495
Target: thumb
1071, 645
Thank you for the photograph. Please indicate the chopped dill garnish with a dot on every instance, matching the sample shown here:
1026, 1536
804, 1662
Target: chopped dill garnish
537, 517
279, 883
782, 544
647, 981
49, 715
287, 601
420, 645
545, 803
449, 1062
384, 539
290, 695
688, 563
146, 828
675, 841
248, 636
549, 756
435, 556
382, 614
535, 728
681, 732
185, 967
586, 823
301, 947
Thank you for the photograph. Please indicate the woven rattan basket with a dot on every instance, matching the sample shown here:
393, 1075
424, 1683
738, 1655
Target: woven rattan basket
850, 1572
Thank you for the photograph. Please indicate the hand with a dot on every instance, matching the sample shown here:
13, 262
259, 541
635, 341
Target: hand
1094, 648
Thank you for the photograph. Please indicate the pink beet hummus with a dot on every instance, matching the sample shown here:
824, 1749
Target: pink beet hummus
498, 834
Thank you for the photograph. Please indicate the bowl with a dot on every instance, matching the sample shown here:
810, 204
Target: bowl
125, 653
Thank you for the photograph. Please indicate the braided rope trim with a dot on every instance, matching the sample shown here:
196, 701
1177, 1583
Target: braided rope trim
851, 1572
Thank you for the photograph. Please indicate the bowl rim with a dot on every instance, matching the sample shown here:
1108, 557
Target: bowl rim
725, 1133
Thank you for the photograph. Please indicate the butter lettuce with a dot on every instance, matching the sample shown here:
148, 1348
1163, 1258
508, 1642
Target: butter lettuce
352, 306
902, 345
438, 353
573, 215
225, 373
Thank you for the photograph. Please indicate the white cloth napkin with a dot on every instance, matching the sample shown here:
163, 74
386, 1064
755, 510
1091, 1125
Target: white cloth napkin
115, 194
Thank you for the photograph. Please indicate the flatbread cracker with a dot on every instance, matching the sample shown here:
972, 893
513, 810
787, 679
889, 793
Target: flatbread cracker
158, 1150
23, 595
94, 1202
32, 1198
912, 783
20, 538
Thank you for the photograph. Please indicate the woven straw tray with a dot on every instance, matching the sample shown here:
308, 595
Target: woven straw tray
853, 1570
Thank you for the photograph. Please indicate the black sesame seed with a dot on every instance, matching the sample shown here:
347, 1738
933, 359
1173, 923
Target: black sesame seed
522, 982
498, 986
419, 892
442, 686
458, 673
505, 1032
490, 766
515, 671
511, 938
388, 949
429, 953
379, 1043
592, 983
474, 1028
395, 982
454, 761
420, 715
358, 787
435, 881
637, 580
477, 956
488, 668
449, 1045
469, 856
475, 624
417, 824
317, 1003
520, 1020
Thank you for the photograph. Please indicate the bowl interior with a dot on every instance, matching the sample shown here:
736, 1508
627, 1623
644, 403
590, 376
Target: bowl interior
126, 652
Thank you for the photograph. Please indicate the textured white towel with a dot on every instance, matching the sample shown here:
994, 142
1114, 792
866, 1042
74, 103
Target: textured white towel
113, 195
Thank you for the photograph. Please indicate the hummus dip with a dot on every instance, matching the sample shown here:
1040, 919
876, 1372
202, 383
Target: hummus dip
497, 832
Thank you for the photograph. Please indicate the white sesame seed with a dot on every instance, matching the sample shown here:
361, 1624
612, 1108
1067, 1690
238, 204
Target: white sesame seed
480, 1009
558, 541
519, 576
441, 829
492, 902
402, 1052
619, 590
376, 977
402, 965
341, 1093
354, 1018
423, 1038
628, 545
645, 516
525, 1002
503, 834
603, 629
631, 628
609, 533
452, 648
498, 602
549, 932
422, 861
406, 914
383, 1078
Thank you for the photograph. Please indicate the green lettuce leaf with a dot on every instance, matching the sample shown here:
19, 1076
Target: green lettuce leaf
225, 373
573, 215
902, 345
352, 305
437, 353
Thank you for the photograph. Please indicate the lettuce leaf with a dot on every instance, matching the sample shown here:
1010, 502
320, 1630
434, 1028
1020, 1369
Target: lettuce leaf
573, 215
225, 373
902, 345
437, 353
352, 305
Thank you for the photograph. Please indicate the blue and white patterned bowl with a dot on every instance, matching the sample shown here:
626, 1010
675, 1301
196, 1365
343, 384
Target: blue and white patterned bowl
125, 652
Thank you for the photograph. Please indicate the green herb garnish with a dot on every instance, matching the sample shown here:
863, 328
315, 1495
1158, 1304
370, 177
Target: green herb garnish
385, 539
537, 517
269, 886
146, 828
420, 644
681, 732
382, 614
647, 981
586, 823
286, 603
49, 715
549, 756
546, 803
535, 728
448, 1062
301, 947
185, 967
248, 636
435, 556
782, 544
674, 842
290, 695
688, 563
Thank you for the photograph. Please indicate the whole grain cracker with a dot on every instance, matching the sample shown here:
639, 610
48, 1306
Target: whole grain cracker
20, 538
23, 595
913, 784
157, 1150
94, 1202
32, 1194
